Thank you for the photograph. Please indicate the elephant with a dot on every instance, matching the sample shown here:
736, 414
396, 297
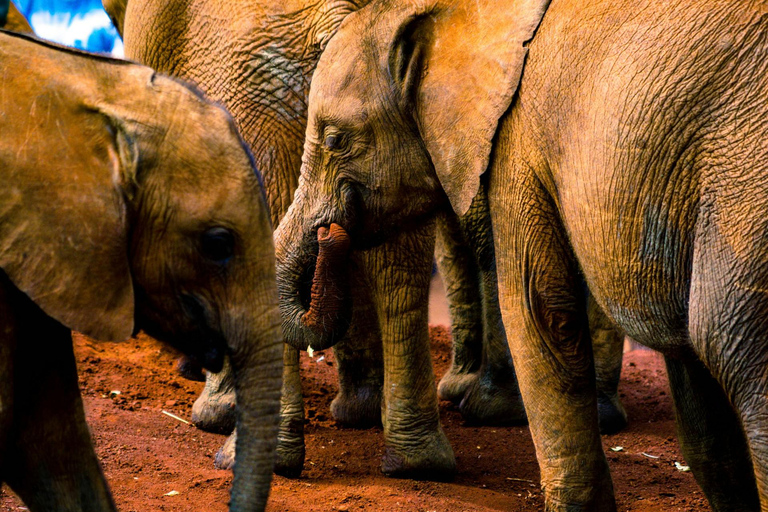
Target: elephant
258, 58
128, 202
621, 146
13, 20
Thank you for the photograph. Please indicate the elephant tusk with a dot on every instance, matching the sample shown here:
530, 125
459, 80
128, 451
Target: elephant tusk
327, 296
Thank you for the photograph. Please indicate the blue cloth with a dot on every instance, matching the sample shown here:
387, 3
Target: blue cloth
79, 23
29, 7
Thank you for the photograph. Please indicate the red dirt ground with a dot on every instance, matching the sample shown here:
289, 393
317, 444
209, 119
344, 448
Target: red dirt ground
146, 454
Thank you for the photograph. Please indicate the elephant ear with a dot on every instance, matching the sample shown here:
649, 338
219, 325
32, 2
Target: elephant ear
460, 64
16, 22
116, 11
63, 221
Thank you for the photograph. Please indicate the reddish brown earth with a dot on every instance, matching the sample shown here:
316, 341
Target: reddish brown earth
147, 455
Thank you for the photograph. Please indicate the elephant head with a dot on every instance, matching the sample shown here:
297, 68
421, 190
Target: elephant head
403, 108
256, 57
262, 74
143, 211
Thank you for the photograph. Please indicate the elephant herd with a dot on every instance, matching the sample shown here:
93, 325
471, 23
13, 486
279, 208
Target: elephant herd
577, 170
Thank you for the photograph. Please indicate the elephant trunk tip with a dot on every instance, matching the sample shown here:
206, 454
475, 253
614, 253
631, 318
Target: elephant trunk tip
327, 295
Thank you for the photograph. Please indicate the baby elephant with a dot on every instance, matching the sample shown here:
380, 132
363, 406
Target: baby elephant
127, 202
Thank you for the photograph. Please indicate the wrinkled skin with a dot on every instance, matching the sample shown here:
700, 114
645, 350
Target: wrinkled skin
119, 212
481, 379
258, 60
631, 158
263, 78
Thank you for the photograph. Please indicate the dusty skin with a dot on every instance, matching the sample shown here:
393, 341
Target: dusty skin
146, 454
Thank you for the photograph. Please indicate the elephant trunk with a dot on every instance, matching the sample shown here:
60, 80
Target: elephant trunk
257, 360
314, 297
328, 293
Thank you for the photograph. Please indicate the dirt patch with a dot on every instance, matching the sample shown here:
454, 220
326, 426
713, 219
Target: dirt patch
147, 455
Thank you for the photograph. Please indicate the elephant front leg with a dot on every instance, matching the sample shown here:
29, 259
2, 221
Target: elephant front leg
49, 461
214, 409
416, 446
290, 438
359, 362
545, 318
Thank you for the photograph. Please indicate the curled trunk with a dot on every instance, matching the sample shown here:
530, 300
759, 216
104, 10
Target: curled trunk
314, 296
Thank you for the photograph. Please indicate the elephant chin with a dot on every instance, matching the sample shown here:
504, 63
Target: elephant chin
328, 316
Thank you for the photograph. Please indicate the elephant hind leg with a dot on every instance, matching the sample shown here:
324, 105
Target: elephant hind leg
494, 397
545, 319
712, 439
458, 268
481, 377
608, 348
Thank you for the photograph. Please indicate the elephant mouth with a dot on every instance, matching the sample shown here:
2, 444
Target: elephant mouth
317, 311
203, 344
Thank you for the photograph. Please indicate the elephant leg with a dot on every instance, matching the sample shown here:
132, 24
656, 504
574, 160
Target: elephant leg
415, 444
359, 361
7, 351
49, 461
608, 347
545, 317
189, 369
711, 438
214, 409
361, 374
494, 397
458, 268
290, 438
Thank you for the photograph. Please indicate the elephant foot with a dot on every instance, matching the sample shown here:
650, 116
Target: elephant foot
225, 457
359, 408
493, 402
432, 459
214, 412
612, 416
454, 384
289, 461
214, 409
189, 369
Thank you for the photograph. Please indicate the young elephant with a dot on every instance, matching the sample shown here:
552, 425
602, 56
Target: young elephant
127, 202
632, 156
257, 57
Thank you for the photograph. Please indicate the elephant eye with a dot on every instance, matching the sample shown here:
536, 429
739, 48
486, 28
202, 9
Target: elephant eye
334, 141
218, 244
